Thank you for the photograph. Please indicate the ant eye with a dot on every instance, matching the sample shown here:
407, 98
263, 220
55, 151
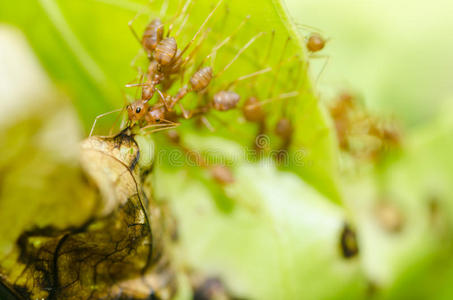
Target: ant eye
138, 110
157, 120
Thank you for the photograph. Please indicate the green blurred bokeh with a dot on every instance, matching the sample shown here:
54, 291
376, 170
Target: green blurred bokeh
397, 54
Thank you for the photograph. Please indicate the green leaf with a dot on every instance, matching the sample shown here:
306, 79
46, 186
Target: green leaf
86, 47
282, 241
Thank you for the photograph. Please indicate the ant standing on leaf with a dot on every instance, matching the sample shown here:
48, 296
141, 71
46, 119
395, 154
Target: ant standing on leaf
315, 43
253, 108
163, 53
165, 59
199, 82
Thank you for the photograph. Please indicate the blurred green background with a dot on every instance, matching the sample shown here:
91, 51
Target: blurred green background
396, 54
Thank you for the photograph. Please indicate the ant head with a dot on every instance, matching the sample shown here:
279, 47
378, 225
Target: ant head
315, 42
137, 110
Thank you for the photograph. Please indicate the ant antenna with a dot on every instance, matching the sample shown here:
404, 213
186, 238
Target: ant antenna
126, 101
101, 116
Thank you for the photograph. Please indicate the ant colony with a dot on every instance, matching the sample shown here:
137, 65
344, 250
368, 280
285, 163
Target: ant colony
222, 66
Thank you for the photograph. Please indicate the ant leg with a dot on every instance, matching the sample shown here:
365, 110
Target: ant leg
326, 61
251, 75
279, 97
307, 27
158, 125
269, 49
161, 128
101, 116
250, 42
214, 50
140, 74
136, 84
181, 11
206, 123
168, 122
227, 39
133, 30
164, 8
197, 48
185, 113
134, 60
184, 21
278, 66
199, 29
164, 100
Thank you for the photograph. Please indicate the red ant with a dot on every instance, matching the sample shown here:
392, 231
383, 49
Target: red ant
140, 110
200, 80
163, 52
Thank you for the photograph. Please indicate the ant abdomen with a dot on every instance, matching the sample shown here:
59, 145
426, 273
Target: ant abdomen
315, 43
201, 79
225, 100
284, 128
253, 110
222, 174
165, 51
153, 34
